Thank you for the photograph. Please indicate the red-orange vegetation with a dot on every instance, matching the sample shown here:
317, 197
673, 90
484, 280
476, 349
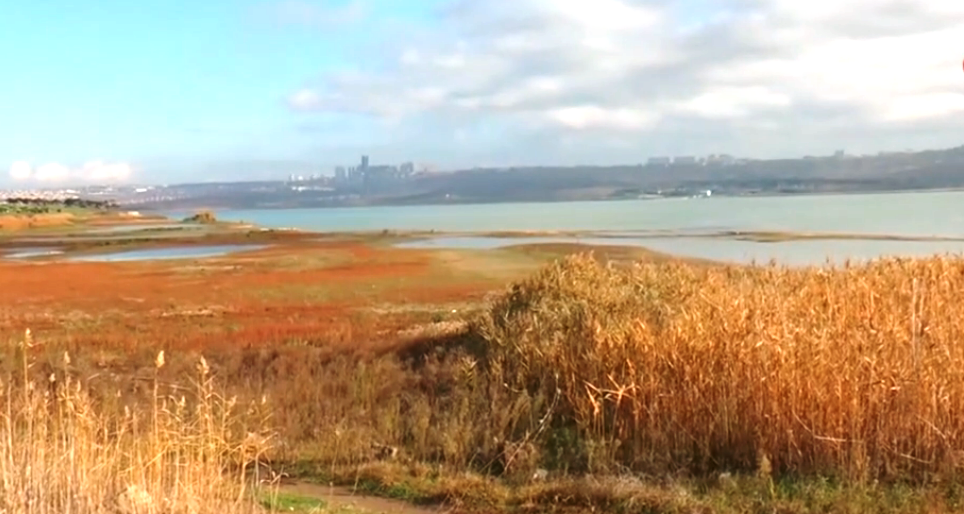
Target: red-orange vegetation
245, 301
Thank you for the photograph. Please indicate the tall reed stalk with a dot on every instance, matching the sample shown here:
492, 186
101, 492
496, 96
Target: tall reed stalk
856, 371
62, 453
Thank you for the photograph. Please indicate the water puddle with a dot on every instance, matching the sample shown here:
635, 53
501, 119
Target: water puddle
184, 252
31, 252
121, 229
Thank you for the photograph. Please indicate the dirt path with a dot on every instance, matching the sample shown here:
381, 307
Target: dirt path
343, 497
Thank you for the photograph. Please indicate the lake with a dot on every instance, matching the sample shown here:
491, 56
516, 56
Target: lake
933, 214
905, 214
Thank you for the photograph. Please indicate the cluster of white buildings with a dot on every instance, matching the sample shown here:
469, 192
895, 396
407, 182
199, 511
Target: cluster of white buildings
691, 160
39, 194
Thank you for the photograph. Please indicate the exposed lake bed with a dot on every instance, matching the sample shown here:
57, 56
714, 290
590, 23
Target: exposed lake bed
724, 247
137, 242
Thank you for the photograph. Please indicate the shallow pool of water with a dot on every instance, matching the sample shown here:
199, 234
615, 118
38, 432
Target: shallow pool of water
183, 252
120, 229
794, 253
31, 252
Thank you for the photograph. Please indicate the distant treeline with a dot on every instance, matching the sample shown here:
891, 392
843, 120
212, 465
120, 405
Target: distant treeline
81, 203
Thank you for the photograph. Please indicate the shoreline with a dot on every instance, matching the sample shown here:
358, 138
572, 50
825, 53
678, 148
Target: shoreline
115, 234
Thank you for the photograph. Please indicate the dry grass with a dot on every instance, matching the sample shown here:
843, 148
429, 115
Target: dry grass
784, 377
661, 369
61, 451
820, 390
22, 222
855, 372
203, 216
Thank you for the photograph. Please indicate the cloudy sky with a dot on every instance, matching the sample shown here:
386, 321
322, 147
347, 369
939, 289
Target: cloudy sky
173, 90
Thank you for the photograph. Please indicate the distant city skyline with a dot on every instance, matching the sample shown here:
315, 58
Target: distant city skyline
170, 90
412, 168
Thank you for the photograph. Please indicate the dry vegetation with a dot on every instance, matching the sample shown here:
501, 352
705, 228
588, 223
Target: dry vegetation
13, 222
204, 216
854, 372
827, 390
62, 449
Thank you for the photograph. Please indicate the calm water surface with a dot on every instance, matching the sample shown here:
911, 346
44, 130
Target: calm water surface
906, 214
120, 229
31, 252
185, 252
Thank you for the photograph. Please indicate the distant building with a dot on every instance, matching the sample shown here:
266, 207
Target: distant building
684, 159
723, 159
658, 161
367, 174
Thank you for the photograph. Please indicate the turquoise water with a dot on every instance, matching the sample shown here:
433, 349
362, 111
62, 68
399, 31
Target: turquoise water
906, 214
184, 252
793, 253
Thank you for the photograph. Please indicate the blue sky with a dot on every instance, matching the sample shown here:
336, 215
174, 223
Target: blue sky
162, 91
175, 86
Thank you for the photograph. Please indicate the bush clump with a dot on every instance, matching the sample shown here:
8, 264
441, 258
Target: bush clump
856, 371
204, 217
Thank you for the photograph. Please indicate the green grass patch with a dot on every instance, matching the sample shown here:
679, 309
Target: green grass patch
738, 494
286, 502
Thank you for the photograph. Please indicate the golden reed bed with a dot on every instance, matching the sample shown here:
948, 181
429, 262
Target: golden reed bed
62, 452
856, 372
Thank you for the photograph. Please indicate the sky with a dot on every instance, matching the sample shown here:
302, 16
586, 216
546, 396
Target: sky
166, 91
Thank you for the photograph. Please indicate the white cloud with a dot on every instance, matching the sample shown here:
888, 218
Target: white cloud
56, 173
870, 74
51, 172
734, 101
591, 116
304, 99
20, 171
99, 171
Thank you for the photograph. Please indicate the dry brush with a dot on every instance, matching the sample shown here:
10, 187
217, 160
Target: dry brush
63, 451
855, 372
